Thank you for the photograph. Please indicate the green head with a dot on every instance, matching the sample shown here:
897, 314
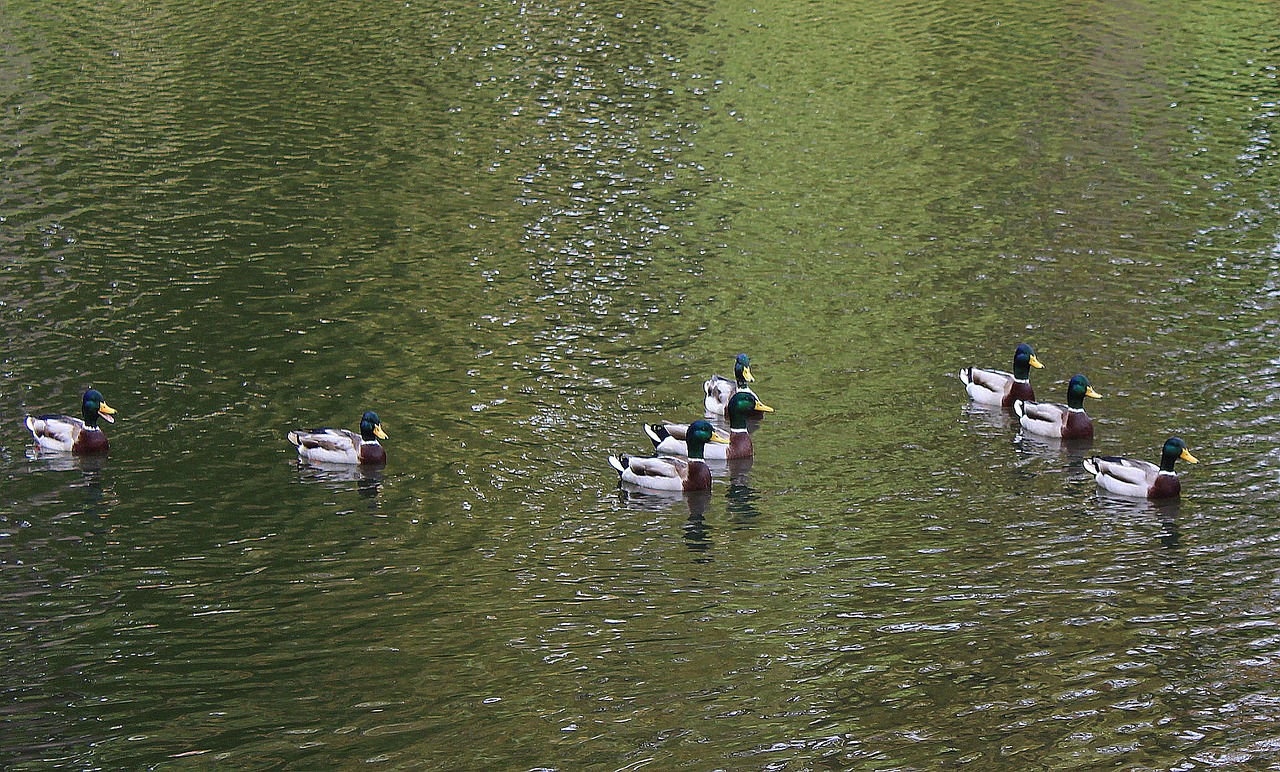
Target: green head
93, 406
741, 406
1023, 360
742, 370
1174, 449
371, 427
1077, 390
700, 433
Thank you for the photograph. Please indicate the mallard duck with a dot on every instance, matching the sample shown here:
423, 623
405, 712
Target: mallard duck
669, 473
996, 387
670, 438
719, 389
80, 436
1131, 477
1052, 419
342, 446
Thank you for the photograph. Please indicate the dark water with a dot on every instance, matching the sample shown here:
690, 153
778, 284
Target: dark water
519, 230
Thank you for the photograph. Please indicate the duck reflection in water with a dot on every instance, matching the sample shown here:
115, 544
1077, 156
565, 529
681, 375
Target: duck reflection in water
697, 535
53, 461
741, 496
1140, 511
1054, 448
695, 530
367, 477
90, 483
992, 416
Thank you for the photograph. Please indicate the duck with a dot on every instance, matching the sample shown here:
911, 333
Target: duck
670, 438
343, 446
996, 387
1143, 479
81, 436
668, 473
1052, 419
719, 389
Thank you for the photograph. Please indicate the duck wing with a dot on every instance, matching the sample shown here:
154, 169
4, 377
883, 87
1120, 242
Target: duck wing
55, 431
992, 380
675, 468
677, 431
720, 387
1126, 470
330, 440
1047, 412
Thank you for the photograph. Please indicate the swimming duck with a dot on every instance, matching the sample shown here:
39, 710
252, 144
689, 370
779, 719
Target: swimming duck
996, 387
1052, 419
342, 446
670, 438
669, 473
719, 389
1131, 477
80, 436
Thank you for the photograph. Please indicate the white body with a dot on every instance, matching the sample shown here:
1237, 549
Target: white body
664, 474
988, 387
719, 391
57, 432
329, 446
1124, 476
1044, 418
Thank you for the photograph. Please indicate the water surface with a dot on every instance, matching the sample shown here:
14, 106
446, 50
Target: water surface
517, 231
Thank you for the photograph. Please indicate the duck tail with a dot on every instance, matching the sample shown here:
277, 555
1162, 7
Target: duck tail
657, 433
1091, 465
619, 463
966, 376
1020, 408
294, 438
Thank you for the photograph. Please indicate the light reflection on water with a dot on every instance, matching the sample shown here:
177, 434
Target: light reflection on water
518, 232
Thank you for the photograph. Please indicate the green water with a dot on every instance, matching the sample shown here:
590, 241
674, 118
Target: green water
518, 231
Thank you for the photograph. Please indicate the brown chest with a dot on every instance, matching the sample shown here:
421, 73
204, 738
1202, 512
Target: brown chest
90, 443
1078, 426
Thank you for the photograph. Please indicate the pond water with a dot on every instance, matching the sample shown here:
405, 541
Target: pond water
519, 230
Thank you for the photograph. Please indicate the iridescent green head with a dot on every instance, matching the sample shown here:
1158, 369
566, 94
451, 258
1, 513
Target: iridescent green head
93, 406
700, 433
741, 406
371, 427
742, 370
1023, 360
1077, 390
1174, 449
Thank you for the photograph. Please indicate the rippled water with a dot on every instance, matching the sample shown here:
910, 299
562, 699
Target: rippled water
517, 231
